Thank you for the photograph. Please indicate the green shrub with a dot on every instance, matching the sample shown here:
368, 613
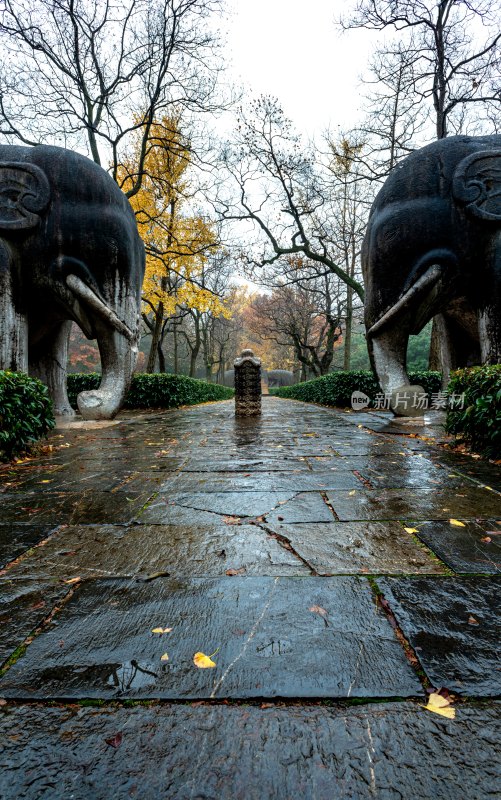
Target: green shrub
336, 388
478, 423
26, 413
154, 391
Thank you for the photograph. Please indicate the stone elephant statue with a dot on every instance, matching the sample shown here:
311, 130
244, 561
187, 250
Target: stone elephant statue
433, 247
69, 251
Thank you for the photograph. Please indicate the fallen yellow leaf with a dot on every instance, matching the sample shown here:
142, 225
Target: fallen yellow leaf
73, 580
489, 488
352, 492
165, 657
457, 523
161, 630
411, 530
204, 662
440, 705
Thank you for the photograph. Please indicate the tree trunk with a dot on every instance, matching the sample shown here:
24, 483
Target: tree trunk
176, 357
161, 358
155, 338
347, 331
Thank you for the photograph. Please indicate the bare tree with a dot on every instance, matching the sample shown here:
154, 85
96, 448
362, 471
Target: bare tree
282, 197
94, 73
213, 281
350, 207
394, 118
307, 316
455, 49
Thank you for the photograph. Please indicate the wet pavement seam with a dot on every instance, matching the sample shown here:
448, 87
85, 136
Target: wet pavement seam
329, 505
409, 652
29, 551
20, 651
286, 544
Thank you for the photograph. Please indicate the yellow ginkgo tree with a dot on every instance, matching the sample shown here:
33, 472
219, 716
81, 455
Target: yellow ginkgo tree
178, 243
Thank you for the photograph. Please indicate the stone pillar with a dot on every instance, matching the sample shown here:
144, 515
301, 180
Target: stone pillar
247, 385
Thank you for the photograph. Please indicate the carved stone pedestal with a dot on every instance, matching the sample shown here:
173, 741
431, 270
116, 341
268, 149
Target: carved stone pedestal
247, 385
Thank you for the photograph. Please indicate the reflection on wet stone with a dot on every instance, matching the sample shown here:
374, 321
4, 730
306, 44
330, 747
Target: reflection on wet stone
263, 539
249, 620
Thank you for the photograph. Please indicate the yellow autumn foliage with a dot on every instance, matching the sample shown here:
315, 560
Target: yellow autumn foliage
177, 243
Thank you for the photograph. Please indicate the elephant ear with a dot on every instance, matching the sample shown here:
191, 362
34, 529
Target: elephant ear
24, 193
477, 184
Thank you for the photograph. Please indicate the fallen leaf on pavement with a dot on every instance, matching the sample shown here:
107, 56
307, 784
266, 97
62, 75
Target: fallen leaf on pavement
165, 657
440, 705
239, 571
204, 662
161, 630
472, 620
457, 523
486, 539
73, 580
115, 741
411, 530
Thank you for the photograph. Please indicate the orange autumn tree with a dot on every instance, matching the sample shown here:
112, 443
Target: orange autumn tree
178, 243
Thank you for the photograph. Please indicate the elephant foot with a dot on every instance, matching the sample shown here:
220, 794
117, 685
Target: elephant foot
409, 401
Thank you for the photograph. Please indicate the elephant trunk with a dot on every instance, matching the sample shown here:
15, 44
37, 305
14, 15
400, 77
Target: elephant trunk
388, 352
118, 359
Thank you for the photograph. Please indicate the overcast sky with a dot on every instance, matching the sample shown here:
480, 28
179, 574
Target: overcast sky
292, 50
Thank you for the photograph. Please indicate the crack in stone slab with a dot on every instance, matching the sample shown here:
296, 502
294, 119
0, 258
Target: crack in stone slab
253, 632
355, 671
283, 540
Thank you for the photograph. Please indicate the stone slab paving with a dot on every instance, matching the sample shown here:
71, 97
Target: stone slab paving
144, 551
453, 625
465, 502
17, 538
181, 752
269, 642
238, 503
366, 547
304, 507
468, 547
23, 607
295, 480
266, 540
91, 506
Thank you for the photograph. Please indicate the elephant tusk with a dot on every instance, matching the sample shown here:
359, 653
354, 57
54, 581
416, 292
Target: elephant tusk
85, 293
431, 276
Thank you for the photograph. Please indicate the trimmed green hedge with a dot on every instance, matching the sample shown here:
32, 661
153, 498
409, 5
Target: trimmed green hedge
159, 390
336, 388
478, 423
26, 413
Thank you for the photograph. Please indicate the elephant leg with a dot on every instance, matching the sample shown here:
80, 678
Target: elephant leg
48, 361
442, 355
13, 320
489, 328
489, 316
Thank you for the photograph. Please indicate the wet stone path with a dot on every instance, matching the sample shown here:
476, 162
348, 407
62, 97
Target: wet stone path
336, 568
